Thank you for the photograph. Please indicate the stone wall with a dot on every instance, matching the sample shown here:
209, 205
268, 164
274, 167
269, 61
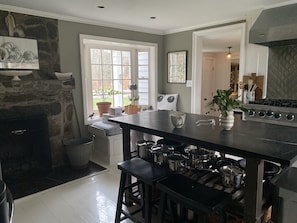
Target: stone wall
45, 31
50, 97
39, 92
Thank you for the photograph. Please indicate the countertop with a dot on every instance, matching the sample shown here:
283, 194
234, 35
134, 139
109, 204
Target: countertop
246, 139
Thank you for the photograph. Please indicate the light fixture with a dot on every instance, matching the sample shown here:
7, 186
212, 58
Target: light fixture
229, 55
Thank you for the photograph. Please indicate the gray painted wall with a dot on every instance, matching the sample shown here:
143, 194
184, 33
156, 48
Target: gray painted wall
177, 42
70, 54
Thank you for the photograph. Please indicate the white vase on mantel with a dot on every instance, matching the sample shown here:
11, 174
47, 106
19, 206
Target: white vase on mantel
227, 122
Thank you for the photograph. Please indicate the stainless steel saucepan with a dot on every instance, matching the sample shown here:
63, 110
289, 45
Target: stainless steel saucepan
232, 176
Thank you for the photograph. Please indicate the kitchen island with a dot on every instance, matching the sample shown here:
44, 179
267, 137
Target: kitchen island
254, 141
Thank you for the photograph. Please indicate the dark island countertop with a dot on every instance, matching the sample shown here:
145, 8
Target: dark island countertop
246, 139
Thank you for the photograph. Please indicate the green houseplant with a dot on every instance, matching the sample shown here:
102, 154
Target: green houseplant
225, 103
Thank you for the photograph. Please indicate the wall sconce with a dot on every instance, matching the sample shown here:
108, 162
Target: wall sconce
229, 55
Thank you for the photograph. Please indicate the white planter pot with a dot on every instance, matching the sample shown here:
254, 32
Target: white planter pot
227, 122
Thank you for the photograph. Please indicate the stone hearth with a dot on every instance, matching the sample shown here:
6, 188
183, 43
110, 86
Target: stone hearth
50, 97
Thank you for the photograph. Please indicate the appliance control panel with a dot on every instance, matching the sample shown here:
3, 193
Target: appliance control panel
271, 114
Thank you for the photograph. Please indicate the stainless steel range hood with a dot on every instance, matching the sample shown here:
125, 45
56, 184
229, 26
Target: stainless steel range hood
275, 26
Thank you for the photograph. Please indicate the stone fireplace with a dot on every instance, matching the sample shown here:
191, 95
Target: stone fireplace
40, 92
52, 98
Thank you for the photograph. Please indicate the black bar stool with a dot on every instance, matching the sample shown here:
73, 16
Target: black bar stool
190, 195
147, 174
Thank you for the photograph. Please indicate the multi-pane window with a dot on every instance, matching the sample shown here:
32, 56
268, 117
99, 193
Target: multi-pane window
111, 76
143, 77
109, 68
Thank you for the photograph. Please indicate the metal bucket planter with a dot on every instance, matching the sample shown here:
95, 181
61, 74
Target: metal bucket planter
78, 151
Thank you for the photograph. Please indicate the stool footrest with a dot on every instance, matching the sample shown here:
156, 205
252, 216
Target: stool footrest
130, 215
132, 185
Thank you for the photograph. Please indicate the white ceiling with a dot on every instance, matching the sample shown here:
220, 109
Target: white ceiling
171, 15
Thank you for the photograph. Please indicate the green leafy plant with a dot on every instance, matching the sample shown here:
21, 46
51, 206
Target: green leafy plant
224, 102
106, 93
134, 97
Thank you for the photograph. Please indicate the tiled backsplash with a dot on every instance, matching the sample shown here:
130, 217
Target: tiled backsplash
282, 72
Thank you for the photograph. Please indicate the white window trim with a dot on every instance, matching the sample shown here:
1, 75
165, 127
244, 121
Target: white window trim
86, 82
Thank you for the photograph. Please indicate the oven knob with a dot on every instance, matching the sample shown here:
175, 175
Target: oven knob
290, 117
277, 115
251, 112
269, 114
261, 114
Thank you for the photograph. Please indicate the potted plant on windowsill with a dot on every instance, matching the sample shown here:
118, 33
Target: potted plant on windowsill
132, 108
225, 104
103, 106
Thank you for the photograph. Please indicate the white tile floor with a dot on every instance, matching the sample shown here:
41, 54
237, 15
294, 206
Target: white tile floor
87, 200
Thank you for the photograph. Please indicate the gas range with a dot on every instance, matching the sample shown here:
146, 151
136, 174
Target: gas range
274, 111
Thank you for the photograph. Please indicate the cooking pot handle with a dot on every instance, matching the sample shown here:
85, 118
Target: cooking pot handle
10, 204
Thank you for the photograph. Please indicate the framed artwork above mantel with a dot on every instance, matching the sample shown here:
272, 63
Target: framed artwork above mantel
177, 67
18, 53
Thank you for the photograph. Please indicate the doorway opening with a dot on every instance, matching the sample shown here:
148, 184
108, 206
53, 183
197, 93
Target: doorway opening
214, 43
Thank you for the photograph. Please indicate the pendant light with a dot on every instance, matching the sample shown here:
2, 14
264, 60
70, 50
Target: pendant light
229, 55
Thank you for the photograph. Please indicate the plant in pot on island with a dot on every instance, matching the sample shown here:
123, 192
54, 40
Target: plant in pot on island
225, 103
103, 106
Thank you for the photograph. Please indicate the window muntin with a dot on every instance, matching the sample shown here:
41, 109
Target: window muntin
138, 59
111, 75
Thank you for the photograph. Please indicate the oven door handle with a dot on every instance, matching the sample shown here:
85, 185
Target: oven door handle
19, 131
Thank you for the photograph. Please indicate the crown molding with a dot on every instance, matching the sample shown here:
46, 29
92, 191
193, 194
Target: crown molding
77, 19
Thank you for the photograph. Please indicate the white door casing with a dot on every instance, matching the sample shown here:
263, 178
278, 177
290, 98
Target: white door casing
197, 49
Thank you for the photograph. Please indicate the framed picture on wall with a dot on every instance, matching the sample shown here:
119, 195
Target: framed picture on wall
177, 67
18, 53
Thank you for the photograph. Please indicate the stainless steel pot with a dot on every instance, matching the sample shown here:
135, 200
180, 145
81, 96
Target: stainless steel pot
178, 146
176, 161
199, 158
232, 176
143, 147
156, 154
223, 161
159, 153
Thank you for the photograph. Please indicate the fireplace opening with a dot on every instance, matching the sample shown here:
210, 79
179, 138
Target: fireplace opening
24, 148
